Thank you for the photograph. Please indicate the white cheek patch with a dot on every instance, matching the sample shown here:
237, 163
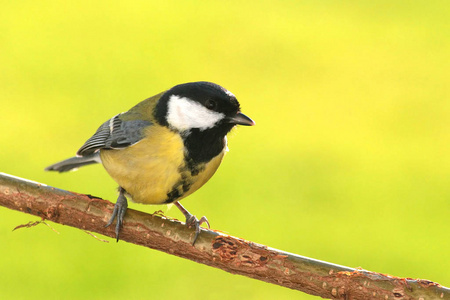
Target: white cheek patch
184, 114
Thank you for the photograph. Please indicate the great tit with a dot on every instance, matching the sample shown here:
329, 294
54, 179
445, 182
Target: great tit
164, 148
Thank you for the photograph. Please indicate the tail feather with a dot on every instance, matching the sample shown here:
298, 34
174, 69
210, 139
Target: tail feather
74, 163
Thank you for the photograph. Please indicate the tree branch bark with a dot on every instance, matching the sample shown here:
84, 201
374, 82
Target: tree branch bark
212, 248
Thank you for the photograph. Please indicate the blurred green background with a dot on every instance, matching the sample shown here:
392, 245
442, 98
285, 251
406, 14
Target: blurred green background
349, 161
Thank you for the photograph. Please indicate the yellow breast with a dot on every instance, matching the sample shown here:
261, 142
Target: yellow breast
152, 168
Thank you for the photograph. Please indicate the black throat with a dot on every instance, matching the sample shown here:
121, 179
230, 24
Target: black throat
204, 145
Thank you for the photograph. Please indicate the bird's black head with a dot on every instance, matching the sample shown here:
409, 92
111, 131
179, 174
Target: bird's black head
199, 105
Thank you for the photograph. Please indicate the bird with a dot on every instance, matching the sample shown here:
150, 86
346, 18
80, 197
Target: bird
164, 148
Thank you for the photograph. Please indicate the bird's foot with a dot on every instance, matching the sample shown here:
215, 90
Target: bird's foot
193, 222
118, 213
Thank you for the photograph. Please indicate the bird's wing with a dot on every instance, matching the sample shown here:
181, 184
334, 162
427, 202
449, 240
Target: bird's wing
115, 134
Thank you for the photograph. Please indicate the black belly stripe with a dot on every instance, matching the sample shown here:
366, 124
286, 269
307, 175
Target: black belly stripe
178, 189
172, 196
188, 173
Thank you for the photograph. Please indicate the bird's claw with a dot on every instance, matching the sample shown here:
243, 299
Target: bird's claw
120, 208
192, 221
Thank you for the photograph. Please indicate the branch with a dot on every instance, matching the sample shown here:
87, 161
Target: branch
212, 248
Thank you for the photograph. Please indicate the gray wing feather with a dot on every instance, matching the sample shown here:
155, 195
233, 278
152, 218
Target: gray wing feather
115, 134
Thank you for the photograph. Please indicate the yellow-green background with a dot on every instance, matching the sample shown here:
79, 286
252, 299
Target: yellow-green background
349, 161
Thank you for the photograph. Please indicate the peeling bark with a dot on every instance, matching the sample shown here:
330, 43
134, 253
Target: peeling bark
212, 248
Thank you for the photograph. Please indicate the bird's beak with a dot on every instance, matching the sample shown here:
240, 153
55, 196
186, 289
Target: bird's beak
241, 119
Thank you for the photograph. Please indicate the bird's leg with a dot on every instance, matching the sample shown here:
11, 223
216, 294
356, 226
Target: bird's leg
119, 211
192, 221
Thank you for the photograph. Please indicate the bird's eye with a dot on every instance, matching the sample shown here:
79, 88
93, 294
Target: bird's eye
210, 104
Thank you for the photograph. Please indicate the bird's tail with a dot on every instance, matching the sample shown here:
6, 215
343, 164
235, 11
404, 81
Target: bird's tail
74, 163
